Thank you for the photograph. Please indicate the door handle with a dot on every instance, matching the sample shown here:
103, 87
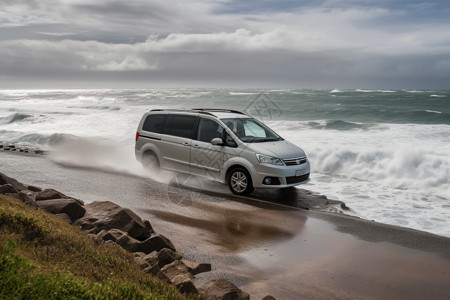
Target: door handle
195, 145
186, 143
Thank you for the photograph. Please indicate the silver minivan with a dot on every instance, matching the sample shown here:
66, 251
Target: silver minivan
223, 145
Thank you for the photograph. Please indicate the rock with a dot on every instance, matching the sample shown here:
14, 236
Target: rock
139, 254
167, 256
141, 262
66, 206
221, 288
107, 215
154, 269
7, 189
184, 284
49, 194
27, 197
269, 297
34, 188
8, 180
196, 267
65, 217
152, 258
175, 269
156, 243
131, 244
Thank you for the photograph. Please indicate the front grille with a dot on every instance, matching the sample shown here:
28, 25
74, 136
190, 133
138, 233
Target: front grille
297, 179
295, 161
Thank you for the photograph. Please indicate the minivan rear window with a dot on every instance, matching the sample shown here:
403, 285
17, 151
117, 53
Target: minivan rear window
182, 126
154, 123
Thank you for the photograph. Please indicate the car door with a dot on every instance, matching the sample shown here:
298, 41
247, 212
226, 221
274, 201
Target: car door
176, 142
207, 159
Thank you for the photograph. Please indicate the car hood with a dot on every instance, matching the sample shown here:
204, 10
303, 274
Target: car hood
280, 149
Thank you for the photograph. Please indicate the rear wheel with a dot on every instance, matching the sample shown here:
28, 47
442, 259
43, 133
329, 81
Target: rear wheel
240, 182
150, 161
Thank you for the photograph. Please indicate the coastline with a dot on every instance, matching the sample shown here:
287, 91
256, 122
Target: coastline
265, 247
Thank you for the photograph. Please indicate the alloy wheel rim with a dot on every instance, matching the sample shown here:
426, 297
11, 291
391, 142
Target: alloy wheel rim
239, 182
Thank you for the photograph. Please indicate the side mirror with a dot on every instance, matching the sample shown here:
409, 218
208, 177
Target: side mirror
217, 142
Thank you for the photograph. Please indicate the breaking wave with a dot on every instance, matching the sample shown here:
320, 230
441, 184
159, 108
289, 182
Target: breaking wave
17, 117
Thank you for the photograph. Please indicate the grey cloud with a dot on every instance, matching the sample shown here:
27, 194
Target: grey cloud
188, 43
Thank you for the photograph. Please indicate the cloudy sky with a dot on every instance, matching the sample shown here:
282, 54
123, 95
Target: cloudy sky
395, 44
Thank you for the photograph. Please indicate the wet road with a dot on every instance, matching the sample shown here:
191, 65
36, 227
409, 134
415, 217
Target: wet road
264, 244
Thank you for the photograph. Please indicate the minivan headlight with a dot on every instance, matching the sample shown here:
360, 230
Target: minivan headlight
265, 159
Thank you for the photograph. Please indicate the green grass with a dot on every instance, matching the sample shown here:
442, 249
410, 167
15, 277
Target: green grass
44, 257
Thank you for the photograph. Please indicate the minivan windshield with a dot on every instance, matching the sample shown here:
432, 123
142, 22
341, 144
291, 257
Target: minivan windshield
250, 130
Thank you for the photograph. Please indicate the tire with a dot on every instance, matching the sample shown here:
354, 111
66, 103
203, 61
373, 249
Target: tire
150, 161
240, 181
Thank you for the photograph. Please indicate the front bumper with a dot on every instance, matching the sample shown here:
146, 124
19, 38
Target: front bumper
281, 176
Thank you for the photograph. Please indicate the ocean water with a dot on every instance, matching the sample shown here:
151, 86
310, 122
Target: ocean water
385, 153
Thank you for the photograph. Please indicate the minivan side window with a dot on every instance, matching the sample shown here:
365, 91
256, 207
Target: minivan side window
182, 126
154, 123
208, 130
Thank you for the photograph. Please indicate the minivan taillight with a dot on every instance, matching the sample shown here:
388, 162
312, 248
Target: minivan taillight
137, 136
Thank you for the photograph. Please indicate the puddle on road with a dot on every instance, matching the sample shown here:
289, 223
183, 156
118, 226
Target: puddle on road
234, 230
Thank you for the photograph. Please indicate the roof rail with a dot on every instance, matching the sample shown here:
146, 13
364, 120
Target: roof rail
182, 110
219, 110
207, 111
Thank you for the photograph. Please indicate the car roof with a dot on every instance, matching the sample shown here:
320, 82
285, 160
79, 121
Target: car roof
217, 112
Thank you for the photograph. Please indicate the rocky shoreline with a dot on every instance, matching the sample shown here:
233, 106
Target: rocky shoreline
107, 222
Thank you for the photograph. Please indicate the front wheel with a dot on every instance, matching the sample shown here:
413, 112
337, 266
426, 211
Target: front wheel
240, 182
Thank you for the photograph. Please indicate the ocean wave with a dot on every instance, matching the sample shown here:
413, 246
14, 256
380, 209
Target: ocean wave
45, 140
433, 111
241, 93
17, 117
338, 125
336, 91
375, 91
402, 168
438, 96
94, 107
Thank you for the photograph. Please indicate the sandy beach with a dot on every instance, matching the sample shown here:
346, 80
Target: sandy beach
263, 246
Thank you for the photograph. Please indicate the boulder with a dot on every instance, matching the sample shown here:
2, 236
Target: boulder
269, 297
122, 238
49, 194
8, 180
107, 215
184, 284
70, 207
221, 289
34, 188
7, 189
174, 269
167, 256
110, 235
27, 197
155, 243
154, 269
64, 217
152, 258
196, 267
139, 254
141, 262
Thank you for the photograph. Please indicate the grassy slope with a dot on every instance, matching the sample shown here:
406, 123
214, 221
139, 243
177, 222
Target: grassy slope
43, 257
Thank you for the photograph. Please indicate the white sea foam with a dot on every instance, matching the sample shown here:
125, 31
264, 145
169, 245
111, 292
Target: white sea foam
397, 174
336, 91
241, 93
